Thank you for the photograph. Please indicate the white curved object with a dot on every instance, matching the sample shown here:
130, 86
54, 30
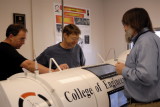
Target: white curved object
50, 64
94, 86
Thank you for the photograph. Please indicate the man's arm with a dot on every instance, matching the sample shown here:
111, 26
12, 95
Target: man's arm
30, 66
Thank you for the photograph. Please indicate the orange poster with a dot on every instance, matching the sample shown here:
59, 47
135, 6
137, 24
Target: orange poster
72, 15
67, 20
72, 9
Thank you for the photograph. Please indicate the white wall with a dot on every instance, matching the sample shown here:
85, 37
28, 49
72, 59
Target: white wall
7, 8
40, 24
114, 10
43, 28
107, 30
43, 25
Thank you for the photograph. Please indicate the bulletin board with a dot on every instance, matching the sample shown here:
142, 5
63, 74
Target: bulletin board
73, 15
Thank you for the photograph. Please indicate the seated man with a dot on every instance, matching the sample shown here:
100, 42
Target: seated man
67, 51
12, 62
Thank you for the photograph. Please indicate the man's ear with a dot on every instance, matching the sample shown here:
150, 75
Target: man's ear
65, 35
11, 36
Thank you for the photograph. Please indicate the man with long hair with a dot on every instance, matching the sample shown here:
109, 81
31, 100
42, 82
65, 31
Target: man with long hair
141, 71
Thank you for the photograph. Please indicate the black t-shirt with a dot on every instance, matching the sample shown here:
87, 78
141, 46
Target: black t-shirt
10, 61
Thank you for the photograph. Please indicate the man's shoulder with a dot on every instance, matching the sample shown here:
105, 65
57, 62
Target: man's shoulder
5, 46
77, 46
52, 48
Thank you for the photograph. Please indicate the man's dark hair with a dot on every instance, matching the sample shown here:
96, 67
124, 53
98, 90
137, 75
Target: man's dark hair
138, 19
71, 29
14, 29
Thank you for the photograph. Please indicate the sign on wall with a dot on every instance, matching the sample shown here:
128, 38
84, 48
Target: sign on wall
73, 15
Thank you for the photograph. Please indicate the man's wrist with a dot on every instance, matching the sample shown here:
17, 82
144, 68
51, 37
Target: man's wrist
53, 70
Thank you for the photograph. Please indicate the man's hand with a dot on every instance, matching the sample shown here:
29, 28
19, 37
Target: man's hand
119, 67
63, 67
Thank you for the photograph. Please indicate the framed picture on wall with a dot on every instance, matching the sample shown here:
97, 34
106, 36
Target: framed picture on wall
19, 19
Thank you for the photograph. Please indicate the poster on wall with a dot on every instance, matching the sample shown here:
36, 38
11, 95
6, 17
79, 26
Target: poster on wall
73, 15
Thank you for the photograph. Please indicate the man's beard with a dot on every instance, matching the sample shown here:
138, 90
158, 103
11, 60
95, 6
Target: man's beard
128, 35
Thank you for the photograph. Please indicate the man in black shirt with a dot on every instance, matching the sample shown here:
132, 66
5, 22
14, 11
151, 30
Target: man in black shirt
11, 62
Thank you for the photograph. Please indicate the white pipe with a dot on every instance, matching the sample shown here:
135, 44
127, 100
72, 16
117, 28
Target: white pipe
62, 3
101, 57
36, 64
114, 53
50, 64
32, 38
